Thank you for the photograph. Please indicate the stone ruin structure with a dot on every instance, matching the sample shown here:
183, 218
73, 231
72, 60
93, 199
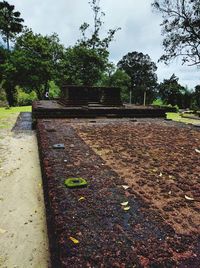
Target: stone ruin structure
92, 102
87, 96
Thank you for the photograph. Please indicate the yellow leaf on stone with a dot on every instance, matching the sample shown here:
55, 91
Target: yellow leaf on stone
126, 208
125, 187
74, 240
81, 198
124, 203
189, 198
197, 151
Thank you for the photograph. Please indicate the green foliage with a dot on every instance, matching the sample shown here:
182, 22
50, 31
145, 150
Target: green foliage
157, 102
25, 99
171, 92
181, 29
10, 22
118, 78
143, 78
34, 62
83, 66
94, 40
196, 98
3, 101
90, 52
54, 90
3, 57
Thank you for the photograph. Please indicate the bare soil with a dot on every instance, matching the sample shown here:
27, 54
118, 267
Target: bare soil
161, 163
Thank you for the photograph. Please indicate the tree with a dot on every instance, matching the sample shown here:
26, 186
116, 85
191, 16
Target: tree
117, 78
88, 59
171, 92
181, 29
10, 22
141, 71
34, 61
94, 41
82, 65
196, 97
3, 56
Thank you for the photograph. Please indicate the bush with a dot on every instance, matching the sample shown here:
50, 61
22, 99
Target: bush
175, 108
25, 99
54, 91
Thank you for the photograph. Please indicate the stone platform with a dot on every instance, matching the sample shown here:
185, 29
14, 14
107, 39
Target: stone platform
55, 109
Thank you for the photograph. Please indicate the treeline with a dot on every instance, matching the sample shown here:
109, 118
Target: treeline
35, 64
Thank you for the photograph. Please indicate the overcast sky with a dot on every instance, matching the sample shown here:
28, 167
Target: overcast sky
140, 29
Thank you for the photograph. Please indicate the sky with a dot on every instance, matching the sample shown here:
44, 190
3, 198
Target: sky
140, 29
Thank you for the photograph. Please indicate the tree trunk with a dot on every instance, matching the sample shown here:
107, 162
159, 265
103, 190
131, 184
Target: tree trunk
130, 97
10, 94
145, 95
7, 42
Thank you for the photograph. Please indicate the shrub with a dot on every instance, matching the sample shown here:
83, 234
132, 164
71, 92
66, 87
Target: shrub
54, 91
24, 99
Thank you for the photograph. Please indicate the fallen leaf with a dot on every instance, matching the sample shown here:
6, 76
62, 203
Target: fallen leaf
2, 231
74, 240
81, 198
197, 151
189, 198
124, 203
160, 175
125, 187
126, 208
170, 192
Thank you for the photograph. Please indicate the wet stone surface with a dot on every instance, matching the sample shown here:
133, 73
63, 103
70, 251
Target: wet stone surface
108, 236
24, 122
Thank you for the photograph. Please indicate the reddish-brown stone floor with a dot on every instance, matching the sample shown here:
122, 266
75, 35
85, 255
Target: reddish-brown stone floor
158, 160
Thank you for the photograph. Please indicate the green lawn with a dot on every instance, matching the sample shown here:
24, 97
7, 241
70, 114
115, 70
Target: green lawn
178, 118
8, 115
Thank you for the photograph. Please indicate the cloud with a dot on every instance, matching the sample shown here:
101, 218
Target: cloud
140, 28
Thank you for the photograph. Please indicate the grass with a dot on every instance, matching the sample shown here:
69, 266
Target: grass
6, 115
4, 112
176, 117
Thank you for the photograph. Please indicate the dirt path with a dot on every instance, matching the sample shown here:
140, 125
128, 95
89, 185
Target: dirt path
23, 235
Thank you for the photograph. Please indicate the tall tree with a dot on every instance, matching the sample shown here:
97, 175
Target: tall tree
94, 40
181, 29
10, 22
171, 92
117, 78
37, 59
141, 70
34, 61
84, 63
196, 97
3, 56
